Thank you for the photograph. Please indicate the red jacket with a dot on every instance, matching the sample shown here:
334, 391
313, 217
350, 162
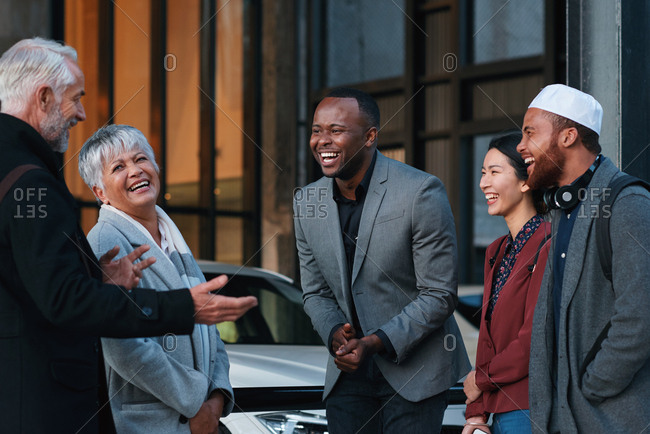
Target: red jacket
503, 351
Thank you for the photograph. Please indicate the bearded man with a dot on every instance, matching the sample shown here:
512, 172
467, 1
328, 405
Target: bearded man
53, 304
590, 349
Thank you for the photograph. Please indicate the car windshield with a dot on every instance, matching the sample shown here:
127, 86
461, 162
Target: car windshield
279, 317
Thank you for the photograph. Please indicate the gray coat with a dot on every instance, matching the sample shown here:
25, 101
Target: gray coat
154, 381
404, 280
606, 393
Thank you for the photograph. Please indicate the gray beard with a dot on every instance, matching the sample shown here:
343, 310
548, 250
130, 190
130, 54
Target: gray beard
55, 132
61, 143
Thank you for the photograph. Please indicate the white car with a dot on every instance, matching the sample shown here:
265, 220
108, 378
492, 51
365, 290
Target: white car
277, 361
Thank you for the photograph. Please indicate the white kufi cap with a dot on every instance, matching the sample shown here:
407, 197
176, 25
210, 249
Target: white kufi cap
571, 104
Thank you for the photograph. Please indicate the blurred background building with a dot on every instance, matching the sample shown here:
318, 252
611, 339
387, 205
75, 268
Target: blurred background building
225, 89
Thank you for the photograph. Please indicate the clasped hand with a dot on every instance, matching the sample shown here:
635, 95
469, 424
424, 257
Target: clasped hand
349, 351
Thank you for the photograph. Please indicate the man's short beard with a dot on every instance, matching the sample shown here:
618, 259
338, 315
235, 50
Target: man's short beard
54, 130
548, 167
351, 167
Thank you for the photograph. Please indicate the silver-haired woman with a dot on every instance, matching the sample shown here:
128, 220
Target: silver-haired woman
169, 384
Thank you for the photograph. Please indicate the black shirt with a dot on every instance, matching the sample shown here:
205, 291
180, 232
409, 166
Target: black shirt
562, 240
350, 211
350, 215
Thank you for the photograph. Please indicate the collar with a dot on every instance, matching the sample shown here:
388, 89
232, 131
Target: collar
363, 186
526, 230
583, 181
21, 138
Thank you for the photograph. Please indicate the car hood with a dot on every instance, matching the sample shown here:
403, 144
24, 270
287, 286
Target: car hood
277, 365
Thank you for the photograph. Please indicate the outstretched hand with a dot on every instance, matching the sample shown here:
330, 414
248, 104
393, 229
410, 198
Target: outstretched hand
124, 271
212, 308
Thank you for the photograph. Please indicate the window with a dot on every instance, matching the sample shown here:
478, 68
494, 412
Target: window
175, 70
365, 40
504, 29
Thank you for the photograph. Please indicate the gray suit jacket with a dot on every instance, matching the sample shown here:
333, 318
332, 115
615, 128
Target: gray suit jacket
606, 392
404, 280
154, 381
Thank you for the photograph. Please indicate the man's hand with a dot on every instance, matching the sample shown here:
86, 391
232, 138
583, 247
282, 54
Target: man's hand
350, 356
211, 308
124, 272
206, 421
470, 388
342, 336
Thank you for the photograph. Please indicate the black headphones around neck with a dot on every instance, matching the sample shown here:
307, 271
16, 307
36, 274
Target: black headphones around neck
568, 196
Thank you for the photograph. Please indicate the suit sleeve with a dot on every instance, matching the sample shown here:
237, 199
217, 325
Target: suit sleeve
511, 364
476, 408
433, 247
220, 375
47, 253
319, 301
626, 349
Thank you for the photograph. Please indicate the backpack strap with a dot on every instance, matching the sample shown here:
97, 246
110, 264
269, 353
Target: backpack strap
532, 266
13, 176
603, 239
493, 259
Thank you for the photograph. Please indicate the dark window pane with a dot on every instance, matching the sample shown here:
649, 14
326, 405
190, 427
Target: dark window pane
188, 225
439, 43
505, 29
503, 97
230, 240
365, 40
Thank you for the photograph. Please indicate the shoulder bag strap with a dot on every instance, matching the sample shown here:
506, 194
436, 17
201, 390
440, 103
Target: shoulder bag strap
13, 176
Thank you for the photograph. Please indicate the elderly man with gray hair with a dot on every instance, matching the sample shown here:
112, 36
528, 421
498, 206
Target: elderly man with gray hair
56, 299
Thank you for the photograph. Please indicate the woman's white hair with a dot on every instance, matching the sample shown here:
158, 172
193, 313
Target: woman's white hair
29, 64
106, 144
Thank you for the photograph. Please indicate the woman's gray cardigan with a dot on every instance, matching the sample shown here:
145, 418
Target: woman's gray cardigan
157, 383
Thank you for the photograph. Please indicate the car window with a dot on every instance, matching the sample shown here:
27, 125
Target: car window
279, 317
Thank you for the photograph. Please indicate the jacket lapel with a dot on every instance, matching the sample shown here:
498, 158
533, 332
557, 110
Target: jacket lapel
374, 197
335, 237
587, 210
487, 282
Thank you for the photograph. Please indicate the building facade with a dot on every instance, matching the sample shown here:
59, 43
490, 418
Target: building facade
225, 89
